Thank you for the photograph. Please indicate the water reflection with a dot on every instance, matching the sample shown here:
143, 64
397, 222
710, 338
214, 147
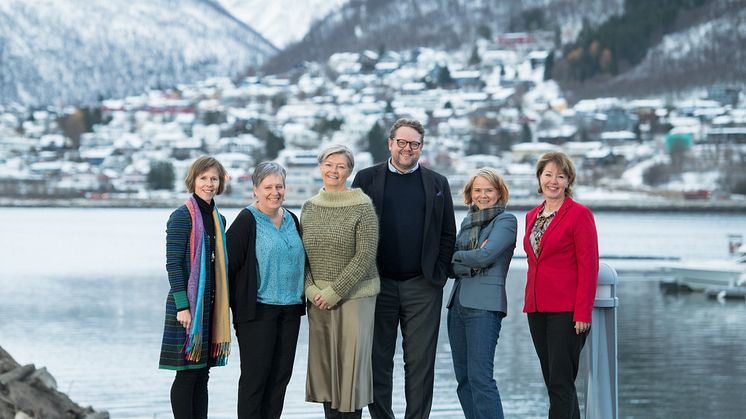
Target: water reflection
92, 313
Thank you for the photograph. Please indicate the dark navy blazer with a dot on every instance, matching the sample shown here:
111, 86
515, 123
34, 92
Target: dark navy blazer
439, 232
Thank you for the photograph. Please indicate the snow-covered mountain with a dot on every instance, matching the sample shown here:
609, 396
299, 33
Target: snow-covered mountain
71, 52
401, 24
281, 21
704, 48
707, 49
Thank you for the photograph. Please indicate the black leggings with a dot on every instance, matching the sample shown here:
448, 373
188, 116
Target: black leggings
189, 394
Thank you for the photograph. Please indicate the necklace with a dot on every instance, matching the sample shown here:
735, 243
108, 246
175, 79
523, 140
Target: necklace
546, 212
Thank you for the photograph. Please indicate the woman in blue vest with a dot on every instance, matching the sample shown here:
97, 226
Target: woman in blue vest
478, 303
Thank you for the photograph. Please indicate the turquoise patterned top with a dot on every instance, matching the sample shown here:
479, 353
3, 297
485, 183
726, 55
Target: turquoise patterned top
280, 259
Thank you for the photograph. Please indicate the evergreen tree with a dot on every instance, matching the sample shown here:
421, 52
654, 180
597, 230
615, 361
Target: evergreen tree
623, 40
274, 143
73, 125
327, 126
484, 32
389, 108
526, 135
381, 49
377, 144
548, 64
444, 77
475, 59
161, 175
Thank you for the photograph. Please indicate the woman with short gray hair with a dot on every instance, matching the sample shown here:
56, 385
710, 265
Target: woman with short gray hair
337, 149
266, 288
341, 241
267, 168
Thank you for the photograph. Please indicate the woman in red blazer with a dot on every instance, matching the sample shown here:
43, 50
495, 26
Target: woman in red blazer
562, 249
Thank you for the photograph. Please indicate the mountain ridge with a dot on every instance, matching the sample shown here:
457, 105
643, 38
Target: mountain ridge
705, 47
53, 53
386, 24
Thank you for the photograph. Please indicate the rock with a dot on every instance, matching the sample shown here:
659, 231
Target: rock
44, 378
28, 393
16, 374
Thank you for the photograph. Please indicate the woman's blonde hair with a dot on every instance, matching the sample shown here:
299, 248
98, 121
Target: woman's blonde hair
494, 178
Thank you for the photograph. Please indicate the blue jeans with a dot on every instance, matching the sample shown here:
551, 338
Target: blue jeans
473, 335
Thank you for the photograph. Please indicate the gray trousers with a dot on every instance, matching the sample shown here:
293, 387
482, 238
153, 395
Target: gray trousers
414, 304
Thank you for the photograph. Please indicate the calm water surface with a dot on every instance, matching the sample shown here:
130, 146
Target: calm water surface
83, 291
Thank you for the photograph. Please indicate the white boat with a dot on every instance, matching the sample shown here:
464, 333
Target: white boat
714, 274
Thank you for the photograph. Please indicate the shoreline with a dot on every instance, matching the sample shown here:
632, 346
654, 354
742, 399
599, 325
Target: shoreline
605, 205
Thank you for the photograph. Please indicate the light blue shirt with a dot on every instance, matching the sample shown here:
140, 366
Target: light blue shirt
280, 260
393, 168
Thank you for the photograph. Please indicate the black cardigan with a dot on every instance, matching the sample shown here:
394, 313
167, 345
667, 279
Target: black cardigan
242, 265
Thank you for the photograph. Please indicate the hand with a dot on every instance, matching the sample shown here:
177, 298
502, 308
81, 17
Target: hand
321, 303
461, 270
184, 317
582, 327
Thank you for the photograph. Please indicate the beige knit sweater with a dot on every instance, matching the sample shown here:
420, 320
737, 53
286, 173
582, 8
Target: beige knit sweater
340, 235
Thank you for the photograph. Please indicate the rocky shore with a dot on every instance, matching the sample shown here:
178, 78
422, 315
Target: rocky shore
27, 392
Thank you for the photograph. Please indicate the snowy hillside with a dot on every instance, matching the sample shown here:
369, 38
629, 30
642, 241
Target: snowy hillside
61, 52
709, 50
281, 21
402, 24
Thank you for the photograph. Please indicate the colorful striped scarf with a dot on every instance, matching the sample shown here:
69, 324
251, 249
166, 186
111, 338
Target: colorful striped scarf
221, 334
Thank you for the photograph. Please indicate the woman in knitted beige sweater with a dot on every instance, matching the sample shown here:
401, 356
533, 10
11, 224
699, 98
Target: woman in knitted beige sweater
340, 235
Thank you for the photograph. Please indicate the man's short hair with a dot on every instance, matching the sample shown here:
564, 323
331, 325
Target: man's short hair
411, 123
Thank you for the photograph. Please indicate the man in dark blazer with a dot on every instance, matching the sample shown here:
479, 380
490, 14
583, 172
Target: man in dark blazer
418, 231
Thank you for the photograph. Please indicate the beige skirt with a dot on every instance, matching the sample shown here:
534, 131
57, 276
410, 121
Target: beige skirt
340, 343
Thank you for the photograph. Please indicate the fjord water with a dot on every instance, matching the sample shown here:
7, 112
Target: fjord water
82, 292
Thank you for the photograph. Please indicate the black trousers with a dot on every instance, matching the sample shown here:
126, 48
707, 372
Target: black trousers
558, 348
414, 304
189, 394
267, 351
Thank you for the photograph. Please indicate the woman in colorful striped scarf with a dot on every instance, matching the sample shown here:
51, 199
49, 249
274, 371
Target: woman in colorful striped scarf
196, 335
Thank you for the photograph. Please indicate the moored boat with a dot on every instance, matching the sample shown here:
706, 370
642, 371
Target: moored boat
713, 274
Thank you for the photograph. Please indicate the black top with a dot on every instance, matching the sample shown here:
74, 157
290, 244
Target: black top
400, 247
206, 210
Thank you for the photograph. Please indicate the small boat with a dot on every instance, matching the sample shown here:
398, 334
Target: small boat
722, 294
715, 274
700, 275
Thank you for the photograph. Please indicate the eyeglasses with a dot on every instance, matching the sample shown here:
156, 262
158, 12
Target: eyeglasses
414, 145
330, 166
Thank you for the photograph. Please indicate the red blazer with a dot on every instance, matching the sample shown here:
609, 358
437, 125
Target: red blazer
564, 276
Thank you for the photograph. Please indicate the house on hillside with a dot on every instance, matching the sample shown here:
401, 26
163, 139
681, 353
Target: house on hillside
723, 94
530, 152
618, 119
